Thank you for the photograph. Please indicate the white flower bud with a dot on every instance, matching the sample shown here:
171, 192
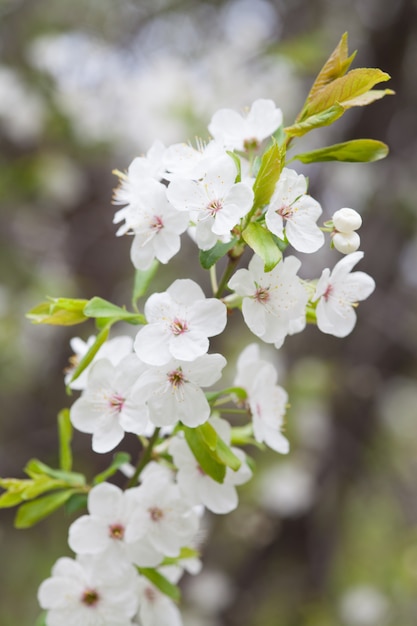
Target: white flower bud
346, 220
346, 242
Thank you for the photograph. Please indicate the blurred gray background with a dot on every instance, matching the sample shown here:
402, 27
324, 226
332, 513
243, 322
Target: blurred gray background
328, 535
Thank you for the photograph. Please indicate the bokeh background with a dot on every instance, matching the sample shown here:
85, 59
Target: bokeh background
328, 535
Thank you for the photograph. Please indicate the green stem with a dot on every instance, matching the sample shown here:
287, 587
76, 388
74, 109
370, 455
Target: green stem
144, 459
231, 266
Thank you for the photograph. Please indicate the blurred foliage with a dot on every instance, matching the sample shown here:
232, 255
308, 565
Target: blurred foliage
331, 536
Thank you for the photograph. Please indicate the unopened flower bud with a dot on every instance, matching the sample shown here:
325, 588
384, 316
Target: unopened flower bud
346, 242
347, 220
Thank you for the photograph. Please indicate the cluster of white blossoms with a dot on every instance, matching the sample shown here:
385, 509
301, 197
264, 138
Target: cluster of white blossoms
155, 384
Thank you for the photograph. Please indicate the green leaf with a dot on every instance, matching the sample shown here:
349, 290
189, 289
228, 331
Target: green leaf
336, 65
91, 352
65, 438
163, 584
262, 243
209, 257
120, 458
185, 553
35, 468
77, 502
143, 279
209, 435
59, 312
315, 121
10, 498
30, 513
355, 151
227, 456
97, 307
344, 89
204, 455
268, 175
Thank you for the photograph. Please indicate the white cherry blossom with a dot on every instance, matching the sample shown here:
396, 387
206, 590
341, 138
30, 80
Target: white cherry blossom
346, 220
293, 211
338, 293
114, 350
104, 529
273, 302
155, 608
180, 320
161, 517
238, 132
155, 224
266, 400
106, 409
141, 168
214, 202
184, 161
346, 242
90, 591
173, 392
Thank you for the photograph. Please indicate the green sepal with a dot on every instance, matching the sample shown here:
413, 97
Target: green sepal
268, 175
354, 151
65, 438
59, 312
143, 279
91, 352
31, 513
262, 243
100, 308
209, 257
325, 118
120, 458
164, 585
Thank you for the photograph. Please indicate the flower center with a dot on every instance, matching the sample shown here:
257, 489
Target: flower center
156, 223
116, 531
178, 327
251, 144
285, 212
90, 597
150, 594
176, 378
155, 513
262, 295
116, 402
328, 292
214, 207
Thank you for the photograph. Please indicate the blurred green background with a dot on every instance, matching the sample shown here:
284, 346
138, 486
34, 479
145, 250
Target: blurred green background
328, 535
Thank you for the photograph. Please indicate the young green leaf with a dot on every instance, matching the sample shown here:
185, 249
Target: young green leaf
209, 257
315, 121
268, 175
32, 512
204, 455
97, 307
262, 243
143, 279
65, 437
163, 584
336, 65
35, 468
355, 151
59, 312
226, 455
345, 89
